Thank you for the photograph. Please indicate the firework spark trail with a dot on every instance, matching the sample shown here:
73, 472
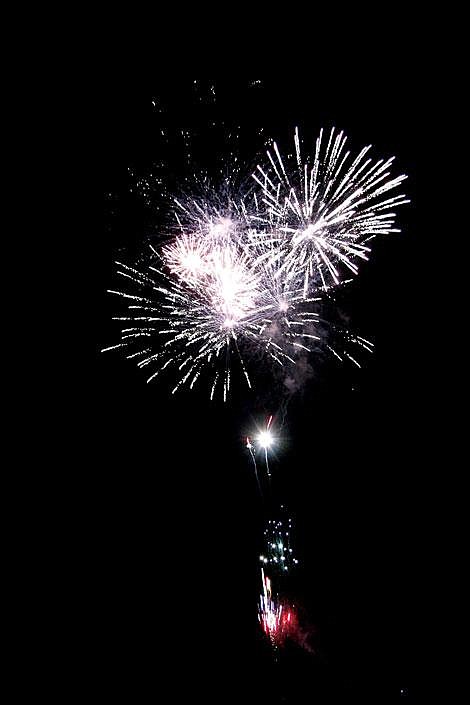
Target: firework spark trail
267, 463
250, 448
269, 612
276, 619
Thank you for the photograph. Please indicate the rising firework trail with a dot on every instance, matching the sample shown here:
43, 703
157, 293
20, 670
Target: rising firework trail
249, 445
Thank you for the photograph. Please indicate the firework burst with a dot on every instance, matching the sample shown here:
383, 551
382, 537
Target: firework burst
244, 274
205, 301
324, 211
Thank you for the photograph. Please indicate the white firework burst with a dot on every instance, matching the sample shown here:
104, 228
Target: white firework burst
245, 273
323, 212
207, 299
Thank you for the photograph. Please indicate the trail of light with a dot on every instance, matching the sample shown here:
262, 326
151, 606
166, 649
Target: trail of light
250, 448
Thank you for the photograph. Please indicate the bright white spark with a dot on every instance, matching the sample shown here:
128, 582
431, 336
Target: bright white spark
265, 439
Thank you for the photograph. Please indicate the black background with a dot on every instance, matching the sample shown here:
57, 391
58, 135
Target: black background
170, 521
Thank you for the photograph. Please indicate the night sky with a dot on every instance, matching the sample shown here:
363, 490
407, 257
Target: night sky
172, 517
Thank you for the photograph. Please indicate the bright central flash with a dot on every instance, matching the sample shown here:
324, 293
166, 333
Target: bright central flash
310, 232
192, 262
265, 439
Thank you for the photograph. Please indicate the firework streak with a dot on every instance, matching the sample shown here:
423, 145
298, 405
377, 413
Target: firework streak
277, 619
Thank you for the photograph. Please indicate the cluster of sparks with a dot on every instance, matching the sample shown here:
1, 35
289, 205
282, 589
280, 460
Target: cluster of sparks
279, 553
246, 278
277, 619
